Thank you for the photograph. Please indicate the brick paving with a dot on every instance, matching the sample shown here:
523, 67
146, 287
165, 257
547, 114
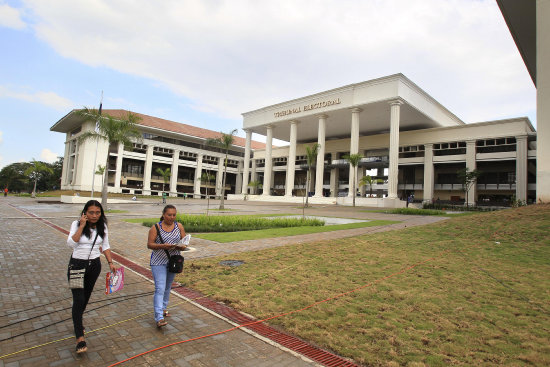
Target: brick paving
33, 260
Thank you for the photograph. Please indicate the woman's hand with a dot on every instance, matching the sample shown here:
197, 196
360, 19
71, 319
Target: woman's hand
83, 220
113, 268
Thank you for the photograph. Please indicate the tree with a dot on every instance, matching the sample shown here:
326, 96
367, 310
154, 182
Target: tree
311, 158
113, 131
353, 160
101, 171
165, 176
468, 179
368, 180
224, 141
13, 177
207, 177
255, 185
35, 171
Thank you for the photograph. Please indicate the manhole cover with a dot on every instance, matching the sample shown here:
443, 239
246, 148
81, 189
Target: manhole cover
231, 262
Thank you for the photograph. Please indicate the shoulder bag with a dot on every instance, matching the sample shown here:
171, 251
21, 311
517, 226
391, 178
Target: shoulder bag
76, 276
175, 262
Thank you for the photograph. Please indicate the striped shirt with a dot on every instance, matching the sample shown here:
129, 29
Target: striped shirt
158, 257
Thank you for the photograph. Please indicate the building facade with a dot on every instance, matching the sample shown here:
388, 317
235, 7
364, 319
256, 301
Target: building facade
411, 145
165, 144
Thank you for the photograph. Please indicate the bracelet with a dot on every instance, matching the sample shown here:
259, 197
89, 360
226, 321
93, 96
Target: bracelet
110, 262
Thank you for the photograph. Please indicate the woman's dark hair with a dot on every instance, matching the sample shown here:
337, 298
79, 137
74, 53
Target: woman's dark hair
101, 222
165, 209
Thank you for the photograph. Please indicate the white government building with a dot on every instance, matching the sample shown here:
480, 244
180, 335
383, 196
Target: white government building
409, 141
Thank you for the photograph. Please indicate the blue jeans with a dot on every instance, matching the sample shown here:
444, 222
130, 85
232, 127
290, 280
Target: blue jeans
163, 283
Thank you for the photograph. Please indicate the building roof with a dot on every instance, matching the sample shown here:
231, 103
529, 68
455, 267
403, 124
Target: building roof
69, 122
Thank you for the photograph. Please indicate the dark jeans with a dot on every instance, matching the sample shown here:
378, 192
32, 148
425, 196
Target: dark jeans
81, 296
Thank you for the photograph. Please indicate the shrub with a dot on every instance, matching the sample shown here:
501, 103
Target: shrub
234, 223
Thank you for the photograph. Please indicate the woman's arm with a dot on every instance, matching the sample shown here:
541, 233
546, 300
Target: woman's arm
182, 230
76, 232
109, 258
157, 246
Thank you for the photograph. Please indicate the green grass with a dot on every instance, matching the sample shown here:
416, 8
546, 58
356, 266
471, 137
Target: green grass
288, 231
478, 294
414, 211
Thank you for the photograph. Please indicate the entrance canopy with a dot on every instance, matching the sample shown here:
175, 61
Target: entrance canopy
418, 111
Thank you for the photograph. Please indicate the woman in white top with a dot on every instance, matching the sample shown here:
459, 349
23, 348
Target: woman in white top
86, 237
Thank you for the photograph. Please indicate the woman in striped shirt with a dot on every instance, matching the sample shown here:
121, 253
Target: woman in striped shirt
172, 232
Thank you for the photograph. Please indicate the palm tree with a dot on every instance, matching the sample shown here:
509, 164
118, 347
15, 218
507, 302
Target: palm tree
255, 185
311, 156
101, 171
224, 141
207, 178
114, 131
34, 171
368, 180
353, 160
165, 176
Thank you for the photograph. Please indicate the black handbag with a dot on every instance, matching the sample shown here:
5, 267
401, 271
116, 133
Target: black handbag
76, 276
175, 262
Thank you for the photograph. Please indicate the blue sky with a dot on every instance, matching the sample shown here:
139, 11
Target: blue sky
204, 62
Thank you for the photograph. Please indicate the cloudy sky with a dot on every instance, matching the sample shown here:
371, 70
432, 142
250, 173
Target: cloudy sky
204, 62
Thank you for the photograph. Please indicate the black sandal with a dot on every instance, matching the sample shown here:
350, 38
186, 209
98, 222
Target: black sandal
81, 347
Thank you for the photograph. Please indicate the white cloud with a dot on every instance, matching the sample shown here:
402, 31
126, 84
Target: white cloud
232, 56
1, 138
48, 156
10, 17
49, 99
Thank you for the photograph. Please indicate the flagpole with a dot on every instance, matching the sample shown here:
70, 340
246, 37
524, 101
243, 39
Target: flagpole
96, 144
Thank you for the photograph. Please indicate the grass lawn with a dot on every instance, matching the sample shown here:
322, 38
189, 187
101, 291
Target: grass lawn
414, 211
478, 291
289, 231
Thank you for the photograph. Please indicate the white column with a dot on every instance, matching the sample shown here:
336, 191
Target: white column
239, 178
198, 174
268, 168
353, 148
543, 96
471, 165
254, 176
291, 161
118, 172
174, 173
394, 148
428, 173
65, 172
521, 167
147, 170
320, 167
75, 167
219, 176
244, 189
334, 173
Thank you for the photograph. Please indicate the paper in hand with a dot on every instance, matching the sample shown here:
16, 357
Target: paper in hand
185, 240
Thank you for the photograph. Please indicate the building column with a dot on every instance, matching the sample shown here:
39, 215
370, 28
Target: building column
118, 172
471, 166
198, 174
543, 107
268, 167
239, 178
394, 148
353, 148
147, 170
291, 161
65, 172
244, 189
334, 173
521, 167
219, 176
174, 172
75, 160
254, 176
320, 167
428, 173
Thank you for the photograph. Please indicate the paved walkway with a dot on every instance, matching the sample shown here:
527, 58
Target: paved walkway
35, 301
